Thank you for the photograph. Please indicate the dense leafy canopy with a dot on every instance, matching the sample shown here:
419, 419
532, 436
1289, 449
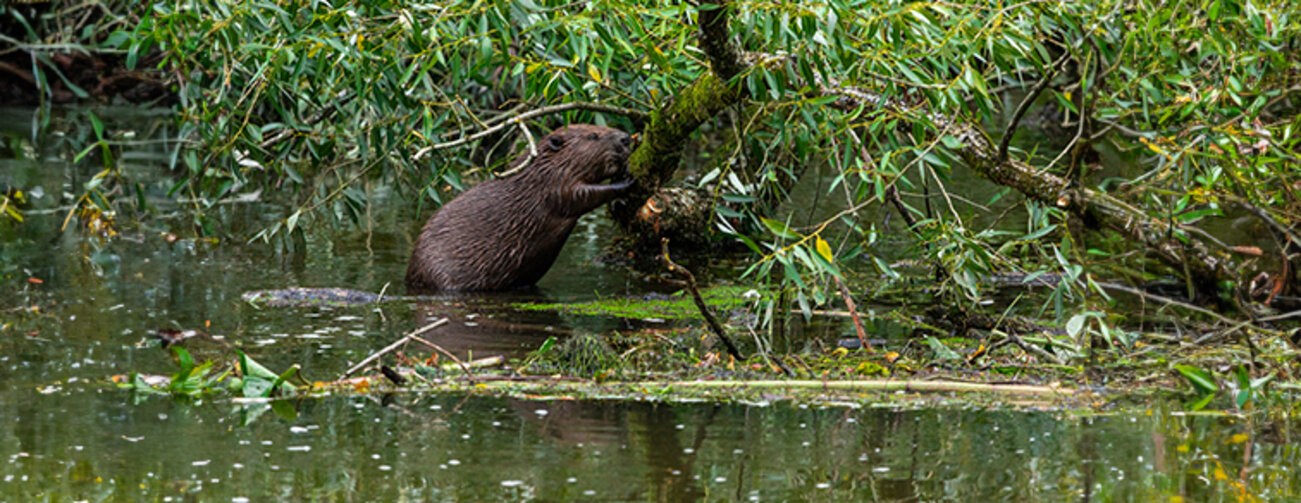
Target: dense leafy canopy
1191, 104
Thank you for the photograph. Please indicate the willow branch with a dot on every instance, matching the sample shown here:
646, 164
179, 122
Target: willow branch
531, 114
1192, 257
1025, 105
716, 40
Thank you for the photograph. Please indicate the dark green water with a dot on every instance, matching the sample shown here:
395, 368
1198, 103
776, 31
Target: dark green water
67, 434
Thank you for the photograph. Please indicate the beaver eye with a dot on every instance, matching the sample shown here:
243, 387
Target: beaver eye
555, 142
593, 136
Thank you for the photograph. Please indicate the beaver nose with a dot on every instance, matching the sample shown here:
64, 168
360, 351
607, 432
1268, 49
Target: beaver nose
624, 139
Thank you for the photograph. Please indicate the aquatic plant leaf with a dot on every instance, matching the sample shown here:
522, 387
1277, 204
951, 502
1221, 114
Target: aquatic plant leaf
284, 410
184, 358
259, 382
1200, 379
942, 352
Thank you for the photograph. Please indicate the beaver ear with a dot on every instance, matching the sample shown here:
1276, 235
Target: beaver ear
555, 142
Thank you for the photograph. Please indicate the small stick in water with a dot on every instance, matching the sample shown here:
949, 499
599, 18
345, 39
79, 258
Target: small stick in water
395, 345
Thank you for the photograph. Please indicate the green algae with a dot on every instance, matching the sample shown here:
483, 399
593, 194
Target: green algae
678, 306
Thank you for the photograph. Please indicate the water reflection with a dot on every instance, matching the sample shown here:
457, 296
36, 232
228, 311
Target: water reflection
489, 324
426, 448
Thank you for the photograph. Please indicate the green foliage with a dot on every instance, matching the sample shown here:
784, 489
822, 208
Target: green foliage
324, 96
583, 355
1193, 106
1211, 92
260, 382
201, 380
193, 381
1249, 392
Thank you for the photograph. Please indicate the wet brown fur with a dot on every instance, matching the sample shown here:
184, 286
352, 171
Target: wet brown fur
506, 232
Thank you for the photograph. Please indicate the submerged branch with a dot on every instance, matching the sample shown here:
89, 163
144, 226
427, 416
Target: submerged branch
853, 314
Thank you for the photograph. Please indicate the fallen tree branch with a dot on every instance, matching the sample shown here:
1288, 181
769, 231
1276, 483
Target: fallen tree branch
447, 353
907, 386
716, 40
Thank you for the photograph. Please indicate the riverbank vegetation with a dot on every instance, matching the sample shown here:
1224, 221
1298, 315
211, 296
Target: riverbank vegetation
1138, 158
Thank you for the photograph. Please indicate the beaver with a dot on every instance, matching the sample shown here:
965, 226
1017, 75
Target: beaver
506, 232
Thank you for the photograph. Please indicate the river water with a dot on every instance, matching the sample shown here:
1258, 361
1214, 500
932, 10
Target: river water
77, 309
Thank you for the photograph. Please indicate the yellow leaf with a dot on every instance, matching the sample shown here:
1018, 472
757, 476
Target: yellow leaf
824, 249
593, 72
1238, 438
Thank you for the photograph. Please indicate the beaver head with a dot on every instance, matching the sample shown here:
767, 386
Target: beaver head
573, 161
581, 155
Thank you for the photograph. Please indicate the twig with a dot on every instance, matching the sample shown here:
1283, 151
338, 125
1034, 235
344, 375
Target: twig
511, 122
18, 72
853, 314
339, 100
533, 153
1169, 301
1025, 105
445, 352
1083, 114
695, 295
395, 345
1030, 348
1281, 317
